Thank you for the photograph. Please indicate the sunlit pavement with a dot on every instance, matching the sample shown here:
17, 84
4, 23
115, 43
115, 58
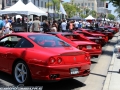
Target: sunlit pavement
113, 75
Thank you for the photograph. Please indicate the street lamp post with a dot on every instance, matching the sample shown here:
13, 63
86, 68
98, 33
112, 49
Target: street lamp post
48, 9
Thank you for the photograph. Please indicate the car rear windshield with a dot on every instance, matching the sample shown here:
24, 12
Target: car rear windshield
73, 37
48, 41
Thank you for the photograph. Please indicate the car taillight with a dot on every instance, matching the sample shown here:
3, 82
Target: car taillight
55, 60
82, 47
98, 47
106, 37
78, 47
87, 56
94, 47
59, 60
52, 60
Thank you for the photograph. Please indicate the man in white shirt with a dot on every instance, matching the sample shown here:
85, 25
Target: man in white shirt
76, 23
7, 27
63, 26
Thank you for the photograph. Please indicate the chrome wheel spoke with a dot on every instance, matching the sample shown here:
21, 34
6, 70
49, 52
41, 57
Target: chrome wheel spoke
18, 69
23, 78
22, 68
24, 72
19, 76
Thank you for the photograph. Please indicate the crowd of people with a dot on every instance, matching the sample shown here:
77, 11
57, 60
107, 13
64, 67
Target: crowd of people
66, 25
53, 26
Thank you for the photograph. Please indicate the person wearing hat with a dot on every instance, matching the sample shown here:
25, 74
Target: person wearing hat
1, 27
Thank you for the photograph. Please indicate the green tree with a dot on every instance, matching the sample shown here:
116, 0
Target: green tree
93, 13
70, 9
115, 3
111, 16
117, 10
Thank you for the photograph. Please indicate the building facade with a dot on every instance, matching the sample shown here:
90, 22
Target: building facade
101, 3
92, 4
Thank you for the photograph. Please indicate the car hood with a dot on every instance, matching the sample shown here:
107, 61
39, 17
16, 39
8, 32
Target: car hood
84, 42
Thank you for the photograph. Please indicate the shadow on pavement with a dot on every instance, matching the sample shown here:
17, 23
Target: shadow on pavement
93, 62
6, 79
67, 84
112, 43
114, 72
115, 36
108, 53
98, 74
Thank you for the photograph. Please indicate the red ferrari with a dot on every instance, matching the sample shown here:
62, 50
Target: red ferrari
95, 39
113, 28
32, 56
100, 31
95, 35
80, 42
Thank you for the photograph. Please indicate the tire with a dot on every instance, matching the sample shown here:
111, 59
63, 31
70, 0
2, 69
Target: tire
21, 73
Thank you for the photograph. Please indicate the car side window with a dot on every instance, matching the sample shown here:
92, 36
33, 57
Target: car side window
24, 43
9, 41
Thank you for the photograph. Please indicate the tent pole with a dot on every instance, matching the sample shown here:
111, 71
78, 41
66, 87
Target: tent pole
27, 23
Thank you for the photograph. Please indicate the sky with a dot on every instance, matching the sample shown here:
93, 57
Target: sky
110, 7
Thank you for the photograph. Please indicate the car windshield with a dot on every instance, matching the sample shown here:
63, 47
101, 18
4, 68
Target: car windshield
48, 41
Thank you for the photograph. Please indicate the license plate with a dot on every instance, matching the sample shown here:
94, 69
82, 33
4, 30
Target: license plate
74, 71
96, 40
89, 47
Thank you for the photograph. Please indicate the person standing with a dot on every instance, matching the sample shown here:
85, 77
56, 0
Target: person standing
30, 25
7, 27
76, 23
46, 27
71, 26
36, 25
1, 27
63, 26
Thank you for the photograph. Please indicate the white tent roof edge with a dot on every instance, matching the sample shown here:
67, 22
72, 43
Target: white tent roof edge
23, 9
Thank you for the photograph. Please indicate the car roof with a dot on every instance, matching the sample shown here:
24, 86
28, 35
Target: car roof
27, 33
63, 33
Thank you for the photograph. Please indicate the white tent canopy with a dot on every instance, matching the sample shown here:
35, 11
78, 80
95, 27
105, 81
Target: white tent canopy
89, 18
21, 8
32, 9
105, 19
18, 16
16, 8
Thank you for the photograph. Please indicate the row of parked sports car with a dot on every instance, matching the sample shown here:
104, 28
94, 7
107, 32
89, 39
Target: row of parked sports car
52, 56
